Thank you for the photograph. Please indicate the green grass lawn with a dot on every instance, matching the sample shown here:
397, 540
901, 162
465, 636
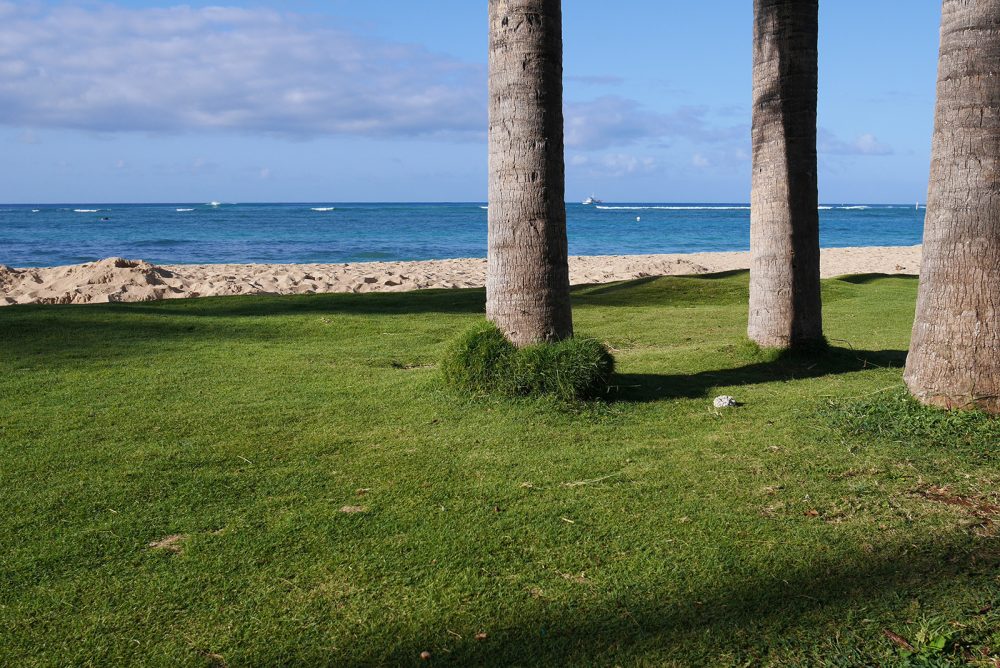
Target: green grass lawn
648, 529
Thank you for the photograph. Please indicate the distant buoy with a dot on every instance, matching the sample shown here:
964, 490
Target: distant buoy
637, 219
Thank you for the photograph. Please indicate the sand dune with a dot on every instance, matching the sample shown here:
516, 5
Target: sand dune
120, 280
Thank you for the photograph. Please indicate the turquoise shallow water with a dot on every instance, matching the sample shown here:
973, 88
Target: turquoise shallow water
48, 235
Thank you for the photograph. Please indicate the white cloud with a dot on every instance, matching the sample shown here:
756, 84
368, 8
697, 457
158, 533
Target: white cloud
613, 165
106, 68
28, 137
109, 69
866, 144
611, 120
700, 161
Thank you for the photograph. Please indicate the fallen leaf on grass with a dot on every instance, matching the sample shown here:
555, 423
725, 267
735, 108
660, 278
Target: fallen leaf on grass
944, 495
169, 544
213, 658
770, 511
986, 513
812, 513
898, 640
593, 481
351, 510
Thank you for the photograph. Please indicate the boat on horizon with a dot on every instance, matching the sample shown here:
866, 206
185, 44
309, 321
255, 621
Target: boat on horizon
592, 200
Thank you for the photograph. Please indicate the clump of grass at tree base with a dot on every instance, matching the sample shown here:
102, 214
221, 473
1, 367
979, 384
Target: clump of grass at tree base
483, 361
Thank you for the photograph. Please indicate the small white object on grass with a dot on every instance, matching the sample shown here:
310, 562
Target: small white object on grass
725, 401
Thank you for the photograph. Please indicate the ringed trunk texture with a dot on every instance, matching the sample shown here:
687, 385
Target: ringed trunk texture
527, 283
785, 309
954, 359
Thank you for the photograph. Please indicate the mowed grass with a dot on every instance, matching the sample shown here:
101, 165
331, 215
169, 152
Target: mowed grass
325, 501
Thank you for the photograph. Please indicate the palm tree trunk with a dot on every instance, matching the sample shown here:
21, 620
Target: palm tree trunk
785, 308
954, 359
527, 284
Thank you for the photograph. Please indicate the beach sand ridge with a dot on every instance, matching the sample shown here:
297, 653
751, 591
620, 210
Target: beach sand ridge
121, 280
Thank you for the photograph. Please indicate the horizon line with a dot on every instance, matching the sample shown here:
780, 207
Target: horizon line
476, 202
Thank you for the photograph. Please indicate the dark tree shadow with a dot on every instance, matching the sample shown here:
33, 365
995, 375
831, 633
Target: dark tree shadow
650, 291
583, 292
864, 279
110, 331
666, 291
739, 611
618, 286
641, 388
459, 301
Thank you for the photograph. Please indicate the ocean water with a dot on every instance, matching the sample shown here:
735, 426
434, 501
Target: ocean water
49, 235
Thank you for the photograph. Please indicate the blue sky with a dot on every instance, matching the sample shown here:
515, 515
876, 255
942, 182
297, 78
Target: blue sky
342, 100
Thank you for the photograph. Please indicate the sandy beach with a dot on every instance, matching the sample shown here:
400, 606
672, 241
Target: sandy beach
120, 280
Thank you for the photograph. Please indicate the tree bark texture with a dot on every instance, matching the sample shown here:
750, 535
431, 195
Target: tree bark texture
527, 284
785, 306
954, 359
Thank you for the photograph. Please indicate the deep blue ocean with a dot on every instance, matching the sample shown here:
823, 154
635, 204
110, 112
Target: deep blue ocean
48, 235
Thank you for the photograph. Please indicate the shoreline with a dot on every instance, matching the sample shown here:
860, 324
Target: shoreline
119, 280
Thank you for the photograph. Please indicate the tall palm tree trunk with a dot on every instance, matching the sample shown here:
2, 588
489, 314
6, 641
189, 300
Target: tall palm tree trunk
527, 284
954, 358
785, 306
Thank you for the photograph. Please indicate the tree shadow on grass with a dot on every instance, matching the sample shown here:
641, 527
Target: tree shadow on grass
722, 288
116, 330
457, 301
787, 366
649, 291
719, 289
113, 331
864, 279
66, 333
744, 612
